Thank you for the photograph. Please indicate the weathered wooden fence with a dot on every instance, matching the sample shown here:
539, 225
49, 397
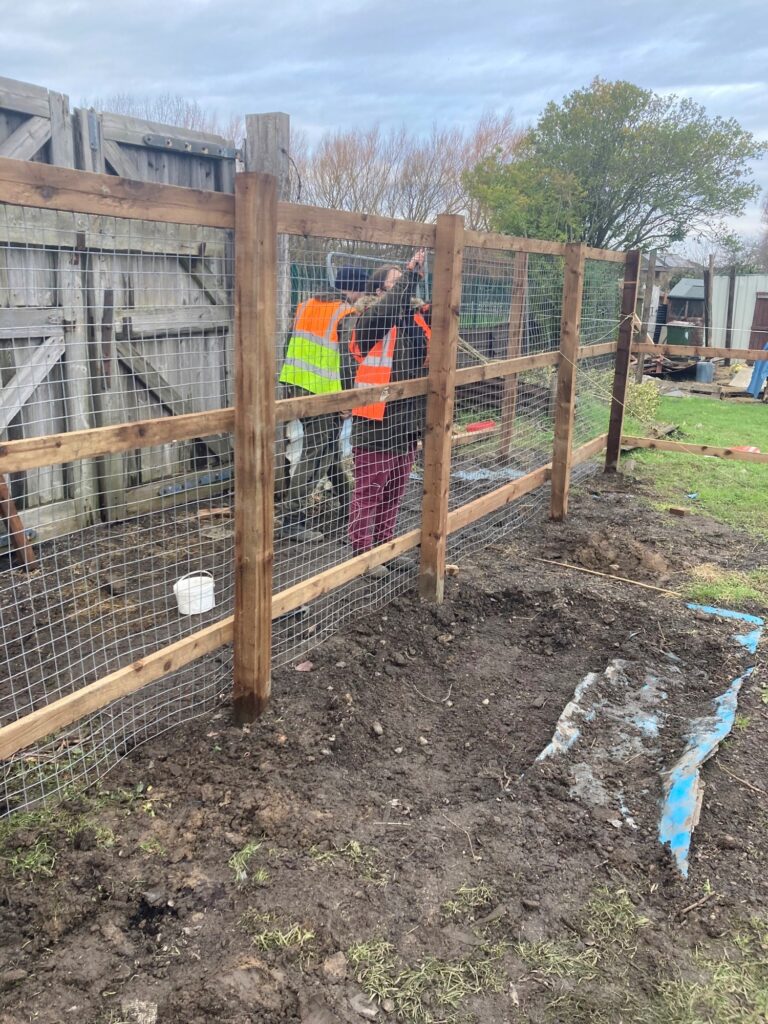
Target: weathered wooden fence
158, 297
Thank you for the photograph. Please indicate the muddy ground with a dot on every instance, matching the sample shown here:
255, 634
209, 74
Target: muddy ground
386, 829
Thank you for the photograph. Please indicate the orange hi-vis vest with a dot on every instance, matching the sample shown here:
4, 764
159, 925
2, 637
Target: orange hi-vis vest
313, 358
376, 367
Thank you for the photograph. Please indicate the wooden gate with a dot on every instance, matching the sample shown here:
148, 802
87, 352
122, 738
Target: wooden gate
104, 321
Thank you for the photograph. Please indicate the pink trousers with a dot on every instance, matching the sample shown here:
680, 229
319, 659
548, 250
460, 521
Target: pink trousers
380, 482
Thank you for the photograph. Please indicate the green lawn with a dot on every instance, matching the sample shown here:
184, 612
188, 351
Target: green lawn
733, 492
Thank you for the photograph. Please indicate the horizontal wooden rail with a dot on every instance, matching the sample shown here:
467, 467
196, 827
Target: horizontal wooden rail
53, 449
25, 183
607, 255
315, 221
505, 367
685, 448
511, 243
294, 597
474, 510
344, 401
516, 243
482, 506
646, 348
603, 348
141, 673
587, 451
67, 710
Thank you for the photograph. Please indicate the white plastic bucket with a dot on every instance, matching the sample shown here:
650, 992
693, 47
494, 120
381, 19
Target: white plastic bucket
194, 593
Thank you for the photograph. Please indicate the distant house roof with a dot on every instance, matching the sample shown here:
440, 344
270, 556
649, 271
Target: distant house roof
688, 288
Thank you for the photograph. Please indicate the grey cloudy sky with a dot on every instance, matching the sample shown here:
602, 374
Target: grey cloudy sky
338, 63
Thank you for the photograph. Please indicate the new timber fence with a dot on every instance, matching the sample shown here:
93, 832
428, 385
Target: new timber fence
175, 451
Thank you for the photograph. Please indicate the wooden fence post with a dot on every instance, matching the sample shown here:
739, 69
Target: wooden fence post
626, 330
446, 307
255, 332
565, 401
517, 318
650, 277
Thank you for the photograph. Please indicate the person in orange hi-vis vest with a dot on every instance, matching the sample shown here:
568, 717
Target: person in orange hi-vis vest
388, 342
312, 366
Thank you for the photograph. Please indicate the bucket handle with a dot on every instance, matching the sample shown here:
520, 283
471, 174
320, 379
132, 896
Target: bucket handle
202, 572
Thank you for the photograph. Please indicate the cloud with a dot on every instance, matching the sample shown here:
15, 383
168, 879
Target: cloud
338, 63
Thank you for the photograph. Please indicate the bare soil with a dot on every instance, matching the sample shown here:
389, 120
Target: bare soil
400, 769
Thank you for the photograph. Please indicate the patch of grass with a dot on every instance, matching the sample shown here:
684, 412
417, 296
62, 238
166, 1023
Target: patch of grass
38, 859
322, 856
741, 723
361, 857
292, 936
468, 899
432, 991
610, 917
560, 959
28, 839
730, 989
715, 586
732, 492
153, 847
239, 863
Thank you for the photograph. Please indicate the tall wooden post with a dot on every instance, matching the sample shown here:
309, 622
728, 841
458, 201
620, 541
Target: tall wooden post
729, 311
255, 327
514, 348
709, 287
446, 306
650, 276
626, 329
565, 401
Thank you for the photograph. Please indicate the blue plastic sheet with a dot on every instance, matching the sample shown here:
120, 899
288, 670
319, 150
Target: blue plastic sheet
682, 789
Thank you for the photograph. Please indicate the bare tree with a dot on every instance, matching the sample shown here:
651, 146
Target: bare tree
172, 109
397, 173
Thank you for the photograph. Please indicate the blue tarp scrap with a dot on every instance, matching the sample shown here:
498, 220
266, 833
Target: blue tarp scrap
682, 786
759, 376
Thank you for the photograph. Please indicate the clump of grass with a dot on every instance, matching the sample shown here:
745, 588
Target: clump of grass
561, 959
364, 861
715, 586
468, 899
38, 859
609, 922
240, 861
610, 917
28, 838
433, 990
731, 989
322, 856
153, 847
362, 858
292, 936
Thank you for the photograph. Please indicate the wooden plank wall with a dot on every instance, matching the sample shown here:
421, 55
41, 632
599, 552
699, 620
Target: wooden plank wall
144, 310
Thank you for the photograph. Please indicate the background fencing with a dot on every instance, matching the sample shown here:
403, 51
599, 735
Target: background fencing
117, 313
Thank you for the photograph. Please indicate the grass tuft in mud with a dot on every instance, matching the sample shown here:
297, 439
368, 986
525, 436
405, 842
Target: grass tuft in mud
432, 991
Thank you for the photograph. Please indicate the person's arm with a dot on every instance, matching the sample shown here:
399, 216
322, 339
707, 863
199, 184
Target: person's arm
348, 364
376, 321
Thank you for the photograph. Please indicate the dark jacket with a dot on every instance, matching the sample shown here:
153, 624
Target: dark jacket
403, 422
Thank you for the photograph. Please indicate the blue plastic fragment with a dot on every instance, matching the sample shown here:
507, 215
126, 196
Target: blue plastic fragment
681, 789
693, 495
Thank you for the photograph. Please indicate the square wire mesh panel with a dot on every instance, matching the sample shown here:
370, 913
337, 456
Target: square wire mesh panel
105, 321
345, 483
511, 307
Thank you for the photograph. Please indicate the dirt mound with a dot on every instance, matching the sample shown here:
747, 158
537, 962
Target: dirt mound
613, 552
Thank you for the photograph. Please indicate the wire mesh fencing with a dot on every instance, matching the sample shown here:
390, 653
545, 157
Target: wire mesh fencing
108, 322
105, 321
